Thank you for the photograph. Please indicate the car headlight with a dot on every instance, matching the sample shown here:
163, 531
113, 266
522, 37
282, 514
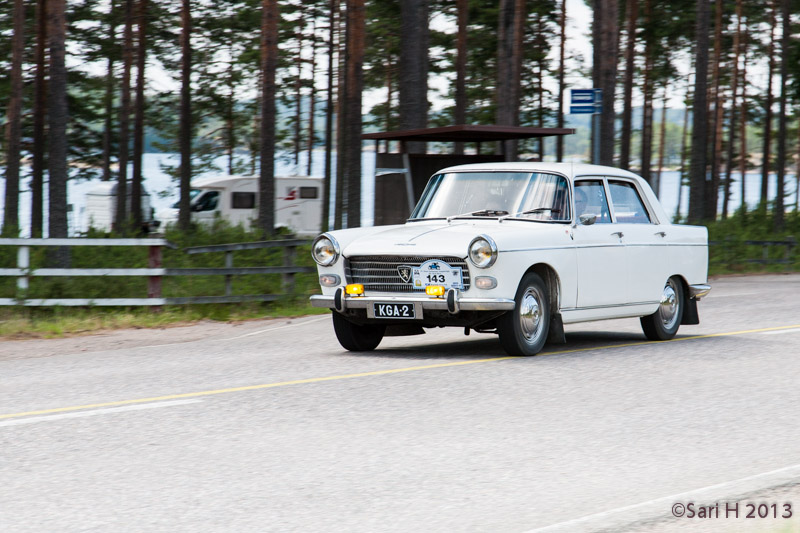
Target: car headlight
482, 251
325, 250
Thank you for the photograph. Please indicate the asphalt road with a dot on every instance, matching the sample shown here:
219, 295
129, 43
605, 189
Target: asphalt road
271, 426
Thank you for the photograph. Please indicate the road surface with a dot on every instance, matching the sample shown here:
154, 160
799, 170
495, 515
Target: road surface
271, 426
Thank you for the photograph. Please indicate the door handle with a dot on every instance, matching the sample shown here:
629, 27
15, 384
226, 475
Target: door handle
662, 233
619, 234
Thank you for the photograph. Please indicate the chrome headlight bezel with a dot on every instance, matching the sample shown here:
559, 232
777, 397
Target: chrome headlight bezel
489, 244
334, 246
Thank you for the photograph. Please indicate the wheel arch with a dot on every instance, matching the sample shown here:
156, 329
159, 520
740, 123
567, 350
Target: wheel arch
553, 282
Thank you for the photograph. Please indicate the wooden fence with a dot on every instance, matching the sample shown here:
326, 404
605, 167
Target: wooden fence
154, 272
731, 251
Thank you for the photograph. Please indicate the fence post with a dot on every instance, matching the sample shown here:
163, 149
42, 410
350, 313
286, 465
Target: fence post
154, 282
228, 277
288, 277
23, 263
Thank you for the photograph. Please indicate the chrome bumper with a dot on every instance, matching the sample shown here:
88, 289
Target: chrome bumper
698, 291
439, 304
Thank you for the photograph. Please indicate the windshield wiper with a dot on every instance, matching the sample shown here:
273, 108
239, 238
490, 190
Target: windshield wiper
481, 213
532, 211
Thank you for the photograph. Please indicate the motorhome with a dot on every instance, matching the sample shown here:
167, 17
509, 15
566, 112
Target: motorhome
298, 202
101, 208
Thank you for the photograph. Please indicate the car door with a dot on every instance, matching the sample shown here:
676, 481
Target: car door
602, 273
646, 250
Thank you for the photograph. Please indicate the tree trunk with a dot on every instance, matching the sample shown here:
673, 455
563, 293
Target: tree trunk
185, 126
108, 103
782, 118
312, 97
298, 87
604, 71
697, 172
138, 121
509, 68
354, 72
562, 22
413, 69
269, 64
661, 141
326, 187
14, 125
729, 160
58, 115
39, 121
683, 156
767, 135
340, 200
632, 16
647, 105
460, 112
121, 220
743, 124
712, 185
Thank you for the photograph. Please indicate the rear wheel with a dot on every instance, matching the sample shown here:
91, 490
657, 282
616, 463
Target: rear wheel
357, 338
523, 331
664, 323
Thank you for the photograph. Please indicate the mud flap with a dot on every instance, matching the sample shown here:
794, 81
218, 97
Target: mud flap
556, 334
690, 315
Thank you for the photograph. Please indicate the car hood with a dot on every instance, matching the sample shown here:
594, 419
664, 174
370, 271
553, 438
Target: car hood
437, 238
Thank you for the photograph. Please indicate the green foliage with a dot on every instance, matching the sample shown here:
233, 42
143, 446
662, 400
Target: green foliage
731, 253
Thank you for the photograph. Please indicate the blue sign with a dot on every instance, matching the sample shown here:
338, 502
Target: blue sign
586, 101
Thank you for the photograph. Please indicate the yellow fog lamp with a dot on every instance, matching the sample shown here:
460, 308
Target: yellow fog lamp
435, 290
354, 289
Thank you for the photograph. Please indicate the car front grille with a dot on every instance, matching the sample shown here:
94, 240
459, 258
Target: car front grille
379, 272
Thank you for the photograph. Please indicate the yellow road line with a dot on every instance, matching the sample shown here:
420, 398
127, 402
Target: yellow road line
366, 374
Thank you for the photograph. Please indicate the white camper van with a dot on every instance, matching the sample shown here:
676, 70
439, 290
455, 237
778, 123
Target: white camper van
298, 202
101, 207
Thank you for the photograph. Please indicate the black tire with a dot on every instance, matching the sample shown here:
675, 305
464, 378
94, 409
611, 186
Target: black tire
523, 331
664, 323
357, 338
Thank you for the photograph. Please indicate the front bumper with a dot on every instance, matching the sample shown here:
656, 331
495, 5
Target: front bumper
425, 302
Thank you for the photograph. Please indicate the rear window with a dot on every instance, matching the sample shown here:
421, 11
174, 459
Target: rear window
628, 206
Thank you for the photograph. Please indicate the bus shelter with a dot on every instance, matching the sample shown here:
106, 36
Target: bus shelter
400, 177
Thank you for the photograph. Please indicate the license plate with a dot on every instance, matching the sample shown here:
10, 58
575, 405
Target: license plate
393, 310
435, 272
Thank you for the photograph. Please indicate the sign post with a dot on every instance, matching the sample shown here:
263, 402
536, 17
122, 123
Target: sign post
586, 101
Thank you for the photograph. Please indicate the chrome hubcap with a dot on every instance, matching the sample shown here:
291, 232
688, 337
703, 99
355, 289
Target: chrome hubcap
668, 310
530, 317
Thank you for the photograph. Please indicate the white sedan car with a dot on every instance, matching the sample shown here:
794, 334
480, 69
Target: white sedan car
517, 249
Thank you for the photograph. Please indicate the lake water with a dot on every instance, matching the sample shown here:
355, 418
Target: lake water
164, 192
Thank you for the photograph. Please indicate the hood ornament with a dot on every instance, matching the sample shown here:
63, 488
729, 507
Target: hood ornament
405, 273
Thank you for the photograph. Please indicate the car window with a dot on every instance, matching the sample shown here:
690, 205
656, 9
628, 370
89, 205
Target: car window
207, 202
628, 206
590, 199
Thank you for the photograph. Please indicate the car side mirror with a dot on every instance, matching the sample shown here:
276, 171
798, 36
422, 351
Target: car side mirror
587, 219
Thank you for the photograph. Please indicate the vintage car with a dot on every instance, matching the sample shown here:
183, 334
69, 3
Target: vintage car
517, 249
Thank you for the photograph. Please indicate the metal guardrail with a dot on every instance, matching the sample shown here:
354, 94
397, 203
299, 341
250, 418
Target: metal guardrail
154, 272
731, 251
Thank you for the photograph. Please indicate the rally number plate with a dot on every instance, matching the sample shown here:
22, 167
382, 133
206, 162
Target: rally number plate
435, 272
393, 310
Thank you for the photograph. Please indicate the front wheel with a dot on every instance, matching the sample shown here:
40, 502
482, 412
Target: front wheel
664, 323
357, 338
523, 331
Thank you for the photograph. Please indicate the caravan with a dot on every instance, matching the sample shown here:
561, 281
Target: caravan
298, 202
101, 208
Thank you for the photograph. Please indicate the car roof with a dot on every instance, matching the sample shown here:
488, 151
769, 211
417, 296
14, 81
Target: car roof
571, 170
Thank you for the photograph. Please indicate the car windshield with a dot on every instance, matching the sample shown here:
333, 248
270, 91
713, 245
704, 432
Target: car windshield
192, 195
529, 195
